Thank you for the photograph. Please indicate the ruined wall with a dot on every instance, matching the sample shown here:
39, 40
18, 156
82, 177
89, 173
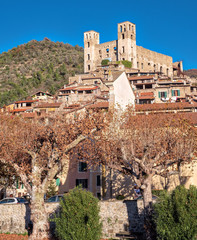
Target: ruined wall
116, 216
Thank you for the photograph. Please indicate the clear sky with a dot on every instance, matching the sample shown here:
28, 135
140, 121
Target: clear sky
165, 26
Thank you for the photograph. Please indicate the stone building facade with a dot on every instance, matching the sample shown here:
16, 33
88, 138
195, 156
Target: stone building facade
124, 48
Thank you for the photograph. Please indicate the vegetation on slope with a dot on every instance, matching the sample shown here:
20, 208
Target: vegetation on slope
191, 73
37, 65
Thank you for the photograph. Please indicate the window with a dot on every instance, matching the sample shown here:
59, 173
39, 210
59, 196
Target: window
98, 180
129, 26
137, 64
107, 50
122, 49
132, 28
148, 64
88, 56
131, 36
161, 69
88, 44
120, 28
175, 93
123, 36
83, 182
95, 82
99, 195
88, 67
82, 167
167, 71
115, 48
142, 65
80, 92
162, 94
87, 36
99, 51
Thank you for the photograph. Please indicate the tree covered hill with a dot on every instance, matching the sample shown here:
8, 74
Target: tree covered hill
37, 65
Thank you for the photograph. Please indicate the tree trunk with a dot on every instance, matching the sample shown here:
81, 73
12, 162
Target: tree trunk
147, 199
39, 216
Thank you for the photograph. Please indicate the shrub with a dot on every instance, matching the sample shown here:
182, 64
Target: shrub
176, 214
78, 217
127, 64
105, 62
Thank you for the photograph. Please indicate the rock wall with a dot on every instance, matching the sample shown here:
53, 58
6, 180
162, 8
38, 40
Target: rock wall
116, 216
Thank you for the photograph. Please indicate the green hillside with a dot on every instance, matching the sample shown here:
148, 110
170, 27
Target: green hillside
37, 65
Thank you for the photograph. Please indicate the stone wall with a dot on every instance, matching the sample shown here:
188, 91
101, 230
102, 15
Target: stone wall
116, 216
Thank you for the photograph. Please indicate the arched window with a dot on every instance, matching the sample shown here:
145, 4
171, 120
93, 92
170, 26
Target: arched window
132, 28
161, 69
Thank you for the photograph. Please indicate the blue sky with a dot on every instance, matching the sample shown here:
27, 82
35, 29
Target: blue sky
168, 27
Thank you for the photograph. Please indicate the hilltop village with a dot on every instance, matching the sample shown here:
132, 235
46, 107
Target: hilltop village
116, 74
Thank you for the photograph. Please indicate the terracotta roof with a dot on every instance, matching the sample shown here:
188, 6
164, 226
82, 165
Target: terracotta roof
164, 106
86, 88
99, 105
79, 88
19, 110
67, 88
27, 101
146, 94
29, 115
49, 105
141, 77
90, 78
146, 97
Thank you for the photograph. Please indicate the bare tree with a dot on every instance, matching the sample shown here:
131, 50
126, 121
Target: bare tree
143, 146
38, 152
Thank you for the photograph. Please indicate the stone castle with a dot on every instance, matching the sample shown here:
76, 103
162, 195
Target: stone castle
124, 48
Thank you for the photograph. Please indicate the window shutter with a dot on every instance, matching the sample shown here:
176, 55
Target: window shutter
178, 92
57, 182
159, 94
172, 93
165, 94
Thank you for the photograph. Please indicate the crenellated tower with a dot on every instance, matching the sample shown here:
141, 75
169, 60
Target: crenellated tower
91, 39
127, 42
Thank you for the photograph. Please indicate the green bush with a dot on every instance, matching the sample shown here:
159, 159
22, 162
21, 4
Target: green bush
176, 214
104, 62
78, 217
127, 64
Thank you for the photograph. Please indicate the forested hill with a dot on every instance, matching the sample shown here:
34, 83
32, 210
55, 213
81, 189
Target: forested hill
37, 65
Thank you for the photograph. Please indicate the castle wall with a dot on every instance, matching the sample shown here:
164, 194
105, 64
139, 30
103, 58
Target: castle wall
148, 60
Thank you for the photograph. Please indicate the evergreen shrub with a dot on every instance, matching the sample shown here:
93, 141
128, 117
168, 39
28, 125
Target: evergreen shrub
104, 62
78, 217
175, 214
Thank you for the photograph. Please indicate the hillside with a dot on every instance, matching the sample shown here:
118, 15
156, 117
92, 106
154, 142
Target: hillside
191, 73
37, 65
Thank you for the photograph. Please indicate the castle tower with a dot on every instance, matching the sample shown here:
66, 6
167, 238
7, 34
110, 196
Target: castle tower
91, 39
127, 42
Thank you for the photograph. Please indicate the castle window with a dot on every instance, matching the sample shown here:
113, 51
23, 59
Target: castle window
132, 29
123, 59
155, 67
131, 36
123, 36
88, 44
123, 49
120, 28
90, 35
148, 64
137, 64
161, 69
142, 65
167, 71
107, 50
88, 67
87, 36
99, 51
115, 48
129, 26
132, 60
88, 56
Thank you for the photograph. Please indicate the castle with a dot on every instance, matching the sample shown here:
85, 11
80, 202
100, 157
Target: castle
124, 48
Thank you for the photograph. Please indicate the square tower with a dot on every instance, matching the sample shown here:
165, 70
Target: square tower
127, 42
91, 39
